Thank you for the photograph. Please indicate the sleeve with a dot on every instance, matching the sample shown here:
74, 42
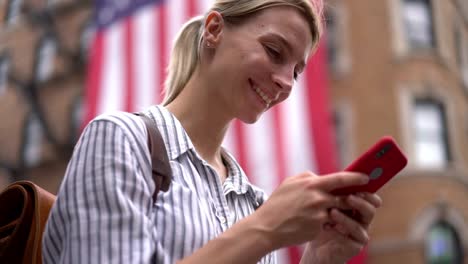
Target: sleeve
102, 212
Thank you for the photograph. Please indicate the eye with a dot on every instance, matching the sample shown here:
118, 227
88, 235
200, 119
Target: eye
273, 52
296, 75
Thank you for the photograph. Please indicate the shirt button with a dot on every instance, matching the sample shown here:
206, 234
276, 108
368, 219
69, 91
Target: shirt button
222, 219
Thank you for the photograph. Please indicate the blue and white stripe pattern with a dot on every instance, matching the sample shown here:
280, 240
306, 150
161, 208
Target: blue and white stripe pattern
105, 213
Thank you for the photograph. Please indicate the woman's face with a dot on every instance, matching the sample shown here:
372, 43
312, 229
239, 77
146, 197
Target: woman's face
255, 63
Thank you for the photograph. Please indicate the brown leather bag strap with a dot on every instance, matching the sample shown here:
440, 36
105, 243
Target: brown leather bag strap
161, 168
43, 201
24, 209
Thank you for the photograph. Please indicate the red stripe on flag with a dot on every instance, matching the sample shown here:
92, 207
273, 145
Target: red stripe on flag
162, 38
129, 65
94, 76
319, 111
294, 253
192, 8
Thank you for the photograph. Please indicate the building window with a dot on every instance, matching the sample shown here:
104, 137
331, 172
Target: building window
45, 58
86, 39
342, 122
430, 134
32, 144
459, 46
13, 11
51, 3
418, 23
461, 54
337, 39
4, 70
443, 245
332, 38
77, 117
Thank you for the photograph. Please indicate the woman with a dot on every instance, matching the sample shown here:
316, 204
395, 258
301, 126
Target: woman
237, 61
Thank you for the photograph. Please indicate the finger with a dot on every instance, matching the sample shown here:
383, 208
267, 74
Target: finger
342, 204
342, 179
372, 198
347, 243
328, 201
349, 227
365, 210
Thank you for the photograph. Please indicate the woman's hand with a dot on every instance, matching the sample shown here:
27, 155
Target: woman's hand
345, 236
297, 211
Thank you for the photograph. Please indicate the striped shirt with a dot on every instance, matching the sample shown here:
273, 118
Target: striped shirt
104, 211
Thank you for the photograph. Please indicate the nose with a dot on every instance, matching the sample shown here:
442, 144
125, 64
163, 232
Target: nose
283, 79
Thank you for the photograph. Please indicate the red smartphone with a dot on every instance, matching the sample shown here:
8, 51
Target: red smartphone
381, 162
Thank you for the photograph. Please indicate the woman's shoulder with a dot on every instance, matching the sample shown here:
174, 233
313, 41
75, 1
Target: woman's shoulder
117, 117
130, 125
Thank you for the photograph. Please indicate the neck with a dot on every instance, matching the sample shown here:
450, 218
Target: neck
203, 117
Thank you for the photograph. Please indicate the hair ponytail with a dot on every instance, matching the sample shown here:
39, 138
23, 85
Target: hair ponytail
184, 58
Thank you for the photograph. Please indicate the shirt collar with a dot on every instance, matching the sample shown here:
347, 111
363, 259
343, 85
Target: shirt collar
178, 142
237, 181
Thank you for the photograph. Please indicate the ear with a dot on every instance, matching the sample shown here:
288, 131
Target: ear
214, 25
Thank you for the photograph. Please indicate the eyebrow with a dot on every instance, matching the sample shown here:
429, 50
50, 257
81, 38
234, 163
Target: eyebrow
283, 40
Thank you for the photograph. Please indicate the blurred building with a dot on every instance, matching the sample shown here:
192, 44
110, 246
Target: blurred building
42, 57
400, 68
397, 67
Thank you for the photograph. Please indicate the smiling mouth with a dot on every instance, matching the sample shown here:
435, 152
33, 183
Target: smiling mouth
267, 100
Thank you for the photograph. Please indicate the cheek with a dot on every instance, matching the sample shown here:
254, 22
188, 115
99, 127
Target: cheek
259, 69
254, 57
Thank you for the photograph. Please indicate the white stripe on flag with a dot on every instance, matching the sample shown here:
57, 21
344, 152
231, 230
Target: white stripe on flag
147, 78
176, 17
298, 146
113, 72
261, 155
204, 6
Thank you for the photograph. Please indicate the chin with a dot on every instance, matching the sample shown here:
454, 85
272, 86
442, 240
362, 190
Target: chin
250, 119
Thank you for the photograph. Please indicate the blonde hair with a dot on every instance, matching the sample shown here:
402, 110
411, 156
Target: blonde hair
185, 54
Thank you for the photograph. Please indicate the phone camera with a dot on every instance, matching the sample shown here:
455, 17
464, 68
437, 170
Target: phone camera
382, 151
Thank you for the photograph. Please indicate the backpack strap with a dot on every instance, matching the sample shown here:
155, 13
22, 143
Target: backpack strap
161, 169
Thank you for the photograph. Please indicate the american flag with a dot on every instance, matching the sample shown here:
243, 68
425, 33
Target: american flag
128, 57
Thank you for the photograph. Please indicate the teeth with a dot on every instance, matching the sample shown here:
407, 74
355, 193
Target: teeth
263, 95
